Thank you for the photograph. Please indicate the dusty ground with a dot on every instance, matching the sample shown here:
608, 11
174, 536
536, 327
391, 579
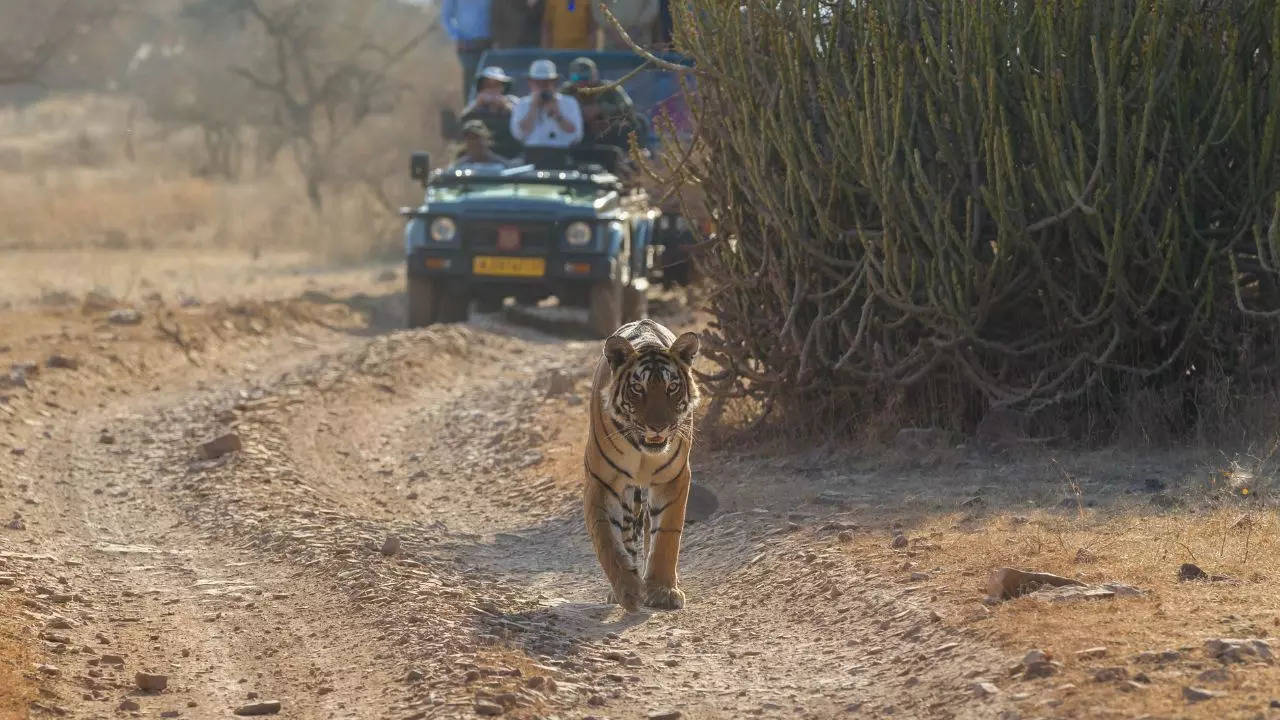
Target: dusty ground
399, 536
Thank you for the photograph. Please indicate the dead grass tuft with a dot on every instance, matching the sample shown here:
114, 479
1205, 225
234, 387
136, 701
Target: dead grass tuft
16, 691
1136, 547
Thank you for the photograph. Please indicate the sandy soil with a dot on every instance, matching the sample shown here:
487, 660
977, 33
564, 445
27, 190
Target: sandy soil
399, 536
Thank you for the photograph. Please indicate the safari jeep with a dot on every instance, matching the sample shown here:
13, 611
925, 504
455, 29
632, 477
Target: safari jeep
559, 226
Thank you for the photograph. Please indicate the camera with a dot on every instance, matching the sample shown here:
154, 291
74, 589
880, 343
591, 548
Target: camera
546, 96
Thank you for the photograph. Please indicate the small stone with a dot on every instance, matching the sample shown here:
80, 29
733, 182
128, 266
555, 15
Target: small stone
1214, 675
1007, 583
115, 660
919, 576
129, 705
558, 383
50, 670
124, 316
984, 689
484, 707
148, 682
899, 541
1110, 674
1035, 656
270, 707
1191, 571
62, 362
1092, 653
833, 498
1195, 694
16, 523
170, 714
1238, 649
221, 445
387, 276
596, 701
665, 715
107, 438
1158, 657
413, 676
1039, 670
391, 545
845, 537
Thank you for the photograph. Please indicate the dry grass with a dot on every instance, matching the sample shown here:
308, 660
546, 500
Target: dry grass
16, 692
1128, 542
67, 183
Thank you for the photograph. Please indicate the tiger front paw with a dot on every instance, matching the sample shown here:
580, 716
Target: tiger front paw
664, 598
627, 594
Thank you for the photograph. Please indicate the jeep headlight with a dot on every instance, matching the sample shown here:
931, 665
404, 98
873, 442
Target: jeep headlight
443, 229
578, 234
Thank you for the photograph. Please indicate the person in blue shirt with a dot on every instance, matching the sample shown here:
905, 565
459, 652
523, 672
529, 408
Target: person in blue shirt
468, 24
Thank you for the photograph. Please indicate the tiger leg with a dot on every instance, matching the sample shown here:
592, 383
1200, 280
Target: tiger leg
666, 516
609, 521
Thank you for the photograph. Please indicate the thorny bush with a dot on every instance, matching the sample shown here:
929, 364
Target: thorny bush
930, 209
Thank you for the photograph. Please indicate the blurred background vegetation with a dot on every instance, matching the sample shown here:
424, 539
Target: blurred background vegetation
247, 124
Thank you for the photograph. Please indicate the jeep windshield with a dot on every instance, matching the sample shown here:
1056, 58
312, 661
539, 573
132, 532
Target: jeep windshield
514, 189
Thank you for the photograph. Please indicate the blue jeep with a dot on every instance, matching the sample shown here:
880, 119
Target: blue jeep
560, 226
564, 223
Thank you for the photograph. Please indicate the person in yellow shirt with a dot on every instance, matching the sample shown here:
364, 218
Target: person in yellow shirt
568, 25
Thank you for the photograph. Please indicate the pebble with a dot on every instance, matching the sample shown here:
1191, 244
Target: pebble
129, 705
51, 670
413, 676
984, 689
221, 445
1195, 694
152, 683
391, 545
484, 707
1110, 674
63, 362
1092, 653
170, 714
124, 316
899, 541
271, 707
665, 715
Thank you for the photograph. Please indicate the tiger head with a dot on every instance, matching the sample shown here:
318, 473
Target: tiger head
652, 395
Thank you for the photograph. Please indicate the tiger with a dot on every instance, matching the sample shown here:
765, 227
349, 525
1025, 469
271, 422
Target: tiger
643, 397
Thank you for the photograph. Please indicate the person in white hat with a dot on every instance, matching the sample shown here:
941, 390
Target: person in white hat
544, 117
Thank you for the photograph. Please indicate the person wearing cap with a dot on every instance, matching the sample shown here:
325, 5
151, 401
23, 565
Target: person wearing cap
608, 115
568, 25
492, 106
477, 145
468, 25
545, 117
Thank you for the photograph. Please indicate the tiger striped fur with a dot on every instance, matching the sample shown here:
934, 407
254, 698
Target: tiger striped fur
637, 461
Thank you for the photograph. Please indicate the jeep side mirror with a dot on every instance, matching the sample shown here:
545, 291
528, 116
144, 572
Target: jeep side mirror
420, 166
450, 125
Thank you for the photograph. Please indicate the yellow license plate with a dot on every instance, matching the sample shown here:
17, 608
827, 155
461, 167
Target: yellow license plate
509, 266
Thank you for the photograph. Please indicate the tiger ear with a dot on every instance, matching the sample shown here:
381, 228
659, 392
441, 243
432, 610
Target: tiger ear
685, 348
618, 350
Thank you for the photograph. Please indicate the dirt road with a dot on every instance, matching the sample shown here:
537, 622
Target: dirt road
387, 525
399, 535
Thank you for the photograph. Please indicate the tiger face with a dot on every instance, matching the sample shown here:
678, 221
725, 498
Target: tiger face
652, 395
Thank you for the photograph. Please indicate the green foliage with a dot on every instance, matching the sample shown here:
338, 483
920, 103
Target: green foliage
934, 208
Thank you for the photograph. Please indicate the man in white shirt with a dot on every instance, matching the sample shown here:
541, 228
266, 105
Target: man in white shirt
544, 117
